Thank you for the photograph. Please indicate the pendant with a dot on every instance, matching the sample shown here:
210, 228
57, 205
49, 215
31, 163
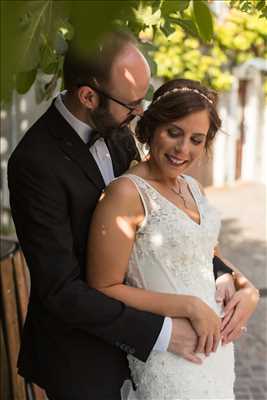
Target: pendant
179, 193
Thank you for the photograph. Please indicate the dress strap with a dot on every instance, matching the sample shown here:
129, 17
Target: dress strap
194, 186
144, 197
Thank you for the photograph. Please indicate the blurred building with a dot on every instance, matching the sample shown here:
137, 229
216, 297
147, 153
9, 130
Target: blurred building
240, 149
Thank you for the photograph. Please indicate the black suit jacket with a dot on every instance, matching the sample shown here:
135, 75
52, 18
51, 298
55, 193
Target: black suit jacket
75, 339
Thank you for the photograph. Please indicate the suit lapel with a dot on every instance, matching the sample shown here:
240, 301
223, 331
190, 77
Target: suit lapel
121, 149
72, 145
114, 156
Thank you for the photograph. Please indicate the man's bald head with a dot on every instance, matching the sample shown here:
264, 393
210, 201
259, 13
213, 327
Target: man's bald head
108, 84
80, 68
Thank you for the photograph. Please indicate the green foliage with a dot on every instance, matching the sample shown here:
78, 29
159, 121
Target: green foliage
250, 6
35, 36
24, 80
238, 38
35, 33
203, 20
173, 6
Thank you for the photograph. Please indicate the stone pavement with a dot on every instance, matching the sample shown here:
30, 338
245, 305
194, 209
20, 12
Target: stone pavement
243, 241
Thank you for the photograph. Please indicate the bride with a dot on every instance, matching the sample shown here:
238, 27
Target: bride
152, 240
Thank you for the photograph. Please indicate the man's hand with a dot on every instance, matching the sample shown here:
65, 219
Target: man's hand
237, 313
225, 289
184, 340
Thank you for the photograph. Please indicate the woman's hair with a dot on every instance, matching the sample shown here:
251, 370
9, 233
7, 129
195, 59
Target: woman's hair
176, 99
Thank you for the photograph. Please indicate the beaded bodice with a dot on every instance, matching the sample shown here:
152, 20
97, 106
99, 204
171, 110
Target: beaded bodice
172, 253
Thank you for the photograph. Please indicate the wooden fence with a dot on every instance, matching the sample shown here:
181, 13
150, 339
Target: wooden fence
14, 294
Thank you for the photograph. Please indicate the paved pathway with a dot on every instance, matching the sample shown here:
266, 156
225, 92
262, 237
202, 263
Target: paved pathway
244, 241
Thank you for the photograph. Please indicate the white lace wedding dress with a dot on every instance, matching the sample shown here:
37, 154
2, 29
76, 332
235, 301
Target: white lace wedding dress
173, 254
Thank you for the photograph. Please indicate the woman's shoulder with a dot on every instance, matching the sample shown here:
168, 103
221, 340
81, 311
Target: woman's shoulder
127, 183
124, 190
122, 186
122, 195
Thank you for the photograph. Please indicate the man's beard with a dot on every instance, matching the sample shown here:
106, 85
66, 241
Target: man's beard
104, 121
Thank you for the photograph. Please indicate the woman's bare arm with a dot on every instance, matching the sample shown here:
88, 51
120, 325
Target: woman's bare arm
113, 228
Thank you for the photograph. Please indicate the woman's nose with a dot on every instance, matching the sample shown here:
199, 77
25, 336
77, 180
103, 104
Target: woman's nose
182, 146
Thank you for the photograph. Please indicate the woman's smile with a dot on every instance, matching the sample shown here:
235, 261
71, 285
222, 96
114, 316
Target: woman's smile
176, 161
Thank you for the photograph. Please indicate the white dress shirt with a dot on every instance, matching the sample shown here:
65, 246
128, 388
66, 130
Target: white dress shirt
102, 157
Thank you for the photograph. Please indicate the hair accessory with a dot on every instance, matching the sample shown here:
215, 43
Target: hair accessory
183, 89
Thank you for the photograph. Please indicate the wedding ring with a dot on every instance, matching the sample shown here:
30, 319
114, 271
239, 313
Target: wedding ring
244, 329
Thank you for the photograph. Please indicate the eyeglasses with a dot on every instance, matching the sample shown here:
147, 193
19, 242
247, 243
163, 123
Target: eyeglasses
129, 107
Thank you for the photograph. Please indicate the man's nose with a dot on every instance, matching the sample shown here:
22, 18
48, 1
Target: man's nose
138, 110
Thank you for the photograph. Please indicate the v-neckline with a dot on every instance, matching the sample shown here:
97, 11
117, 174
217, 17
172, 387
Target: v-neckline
174, 205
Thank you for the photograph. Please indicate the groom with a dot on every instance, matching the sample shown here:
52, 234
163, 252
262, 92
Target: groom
75, 340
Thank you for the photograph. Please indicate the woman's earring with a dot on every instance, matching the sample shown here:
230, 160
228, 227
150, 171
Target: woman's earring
144, 150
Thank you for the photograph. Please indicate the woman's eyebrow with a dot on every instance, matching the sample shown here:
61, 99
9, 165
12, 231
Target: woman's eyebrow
175, 126
199, 134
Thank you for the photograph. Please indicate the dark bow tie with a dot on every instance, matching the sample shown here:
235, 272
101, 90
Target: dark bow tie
94, 136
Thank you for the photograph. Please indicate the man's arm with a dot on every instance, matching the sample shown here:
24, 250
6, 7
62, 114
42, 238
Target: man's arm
39, 207
219, 267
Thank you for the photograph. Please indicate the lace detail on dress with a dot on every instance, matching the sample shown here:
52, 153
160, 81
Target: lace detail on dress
173, 254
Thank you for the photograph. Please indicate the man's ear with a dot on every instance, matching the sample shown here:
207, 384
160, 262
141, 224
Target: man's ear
88, 97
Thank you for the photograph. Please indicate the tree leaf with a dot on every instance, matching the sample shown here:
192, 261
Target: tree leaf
10, 14
203, 18
167, 28
51, 69
91, 19
30, 38
24, 81
150, 92
145, 15
260, 5
48, 57
173, 6
66, 29
187, 24
155, 4
60, 44
147, 46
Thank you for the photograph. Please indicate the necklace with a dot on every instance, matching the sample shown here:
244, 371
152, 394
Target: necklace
179, 193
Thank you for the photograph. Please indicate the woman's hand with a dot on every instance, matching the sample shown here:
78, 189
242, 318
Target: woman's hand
240, 308
207, 324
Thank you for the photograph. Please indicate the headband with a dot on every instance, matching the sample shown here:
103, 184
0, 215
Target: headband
183, 90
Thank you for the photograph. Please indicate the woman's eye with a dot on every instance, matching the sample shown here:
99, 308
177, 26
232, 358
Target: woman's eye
197, 141
173, 132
